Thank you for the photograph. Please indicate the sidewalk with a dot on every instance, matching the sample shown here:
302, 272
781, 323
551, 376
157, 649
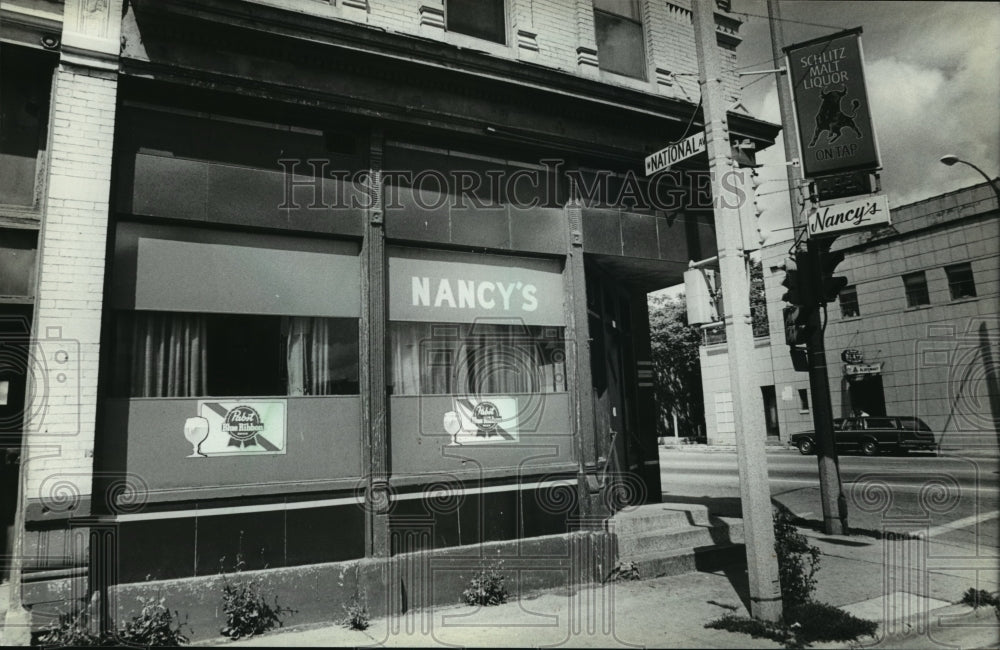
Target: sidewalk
946, 450
893, 582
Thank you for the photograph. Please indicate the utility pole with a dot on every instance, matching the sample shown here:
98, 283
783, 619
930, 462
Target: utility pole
755, 493
831, 492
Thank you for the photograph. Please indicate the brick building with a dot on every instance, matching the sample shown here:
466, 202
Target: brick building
329, 282
920, 315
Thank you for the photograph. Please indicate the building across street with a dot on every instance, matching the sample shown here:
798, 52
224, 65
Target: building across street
915, 333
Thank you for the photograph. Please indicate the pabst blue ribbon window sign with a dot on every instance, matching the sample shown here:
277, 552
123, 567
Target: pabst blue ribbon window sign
485, 420
235, 428
831, 105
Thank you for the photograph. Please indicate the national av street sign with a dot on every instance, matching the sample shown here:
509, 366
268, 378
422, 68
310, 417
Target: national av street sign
837, 218
674, 153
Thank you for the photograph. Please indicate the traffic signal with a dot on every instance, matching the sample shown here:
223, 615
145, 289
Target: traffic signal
799, 281
800, 324
830, 285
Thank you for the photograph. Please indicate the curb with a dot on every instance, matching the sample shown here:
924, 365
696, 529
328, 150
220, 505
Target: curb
916, 626
722, 448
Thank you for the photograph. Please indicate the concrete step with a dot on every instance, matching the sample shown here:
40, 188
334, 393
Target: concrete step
686, 537
687, 560
657, 516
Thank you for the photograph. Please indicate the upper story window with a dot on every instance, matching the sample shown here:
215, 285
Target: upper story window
25, 76
960, 281
620, 44
479, 18
849, 307
18, 250
915, 285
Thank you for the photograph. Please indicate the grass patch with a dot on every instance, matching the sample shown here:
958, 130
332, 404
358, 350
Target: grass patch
822, 622
755, 628
979, 598
803, 624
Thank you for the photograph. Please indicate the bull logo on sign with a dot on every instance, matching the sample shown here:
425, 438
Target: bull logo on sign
831, 118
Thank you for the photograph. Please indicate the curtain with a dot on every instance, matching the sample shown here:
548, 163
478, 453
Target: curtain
423, 358
169, 355
311, 346
478, 359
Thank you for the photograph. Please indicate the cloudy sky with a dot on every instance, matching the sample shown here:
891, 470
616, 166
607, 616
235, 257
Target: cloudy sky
933, 72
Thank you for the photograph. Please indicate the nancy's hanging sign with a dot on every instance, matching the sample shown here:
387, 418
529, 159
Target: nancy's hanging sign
236, 428
837, 218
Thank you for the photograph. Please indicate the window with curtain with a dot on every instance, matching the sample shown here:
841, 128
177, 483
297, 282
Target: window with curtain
961, 282
849, 306
476, 359
169, 354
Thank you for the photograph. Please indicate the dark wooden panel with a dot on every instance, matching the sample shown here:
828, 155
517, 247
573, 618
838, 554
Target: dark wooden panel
174, 187
258, 536
672, 238
322, 441
423, 219
488, 228
542, 230
602, 232
143, 553
330, 534
420, 444
639, 236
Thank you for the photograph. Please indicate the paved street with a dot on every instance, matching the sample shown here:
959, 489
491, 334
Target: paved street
956, 498
950, 502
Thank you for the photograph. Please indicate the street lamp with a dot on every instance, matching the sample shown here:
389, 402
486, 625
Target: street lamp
951, 159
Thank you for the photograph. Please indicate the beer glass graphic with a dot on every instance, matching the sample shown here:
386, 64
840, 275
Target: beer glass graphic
196, 432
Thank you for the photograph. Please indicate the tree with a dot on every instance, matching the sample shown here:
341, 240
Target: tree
676, 366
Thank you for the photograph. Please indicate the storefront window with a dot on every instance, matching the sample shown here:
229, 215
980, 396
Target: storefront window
477, 359
474, 324
200, 313
222, 355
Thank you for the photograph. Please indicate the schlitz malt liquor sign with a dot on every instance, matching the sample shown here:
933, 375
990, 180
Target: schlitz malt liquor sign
237, 428
831, 105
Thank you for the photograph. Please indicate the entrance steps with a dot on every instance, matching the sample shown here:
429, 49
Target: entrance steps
664, 539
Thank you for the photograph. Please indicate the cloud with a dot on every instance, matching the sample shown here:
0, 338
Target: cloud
932, 79
923, 112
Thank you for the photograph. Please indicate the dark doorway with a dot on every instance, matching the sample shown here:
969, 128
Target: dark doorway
15, 325
624, 405
770, 411
866, 395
